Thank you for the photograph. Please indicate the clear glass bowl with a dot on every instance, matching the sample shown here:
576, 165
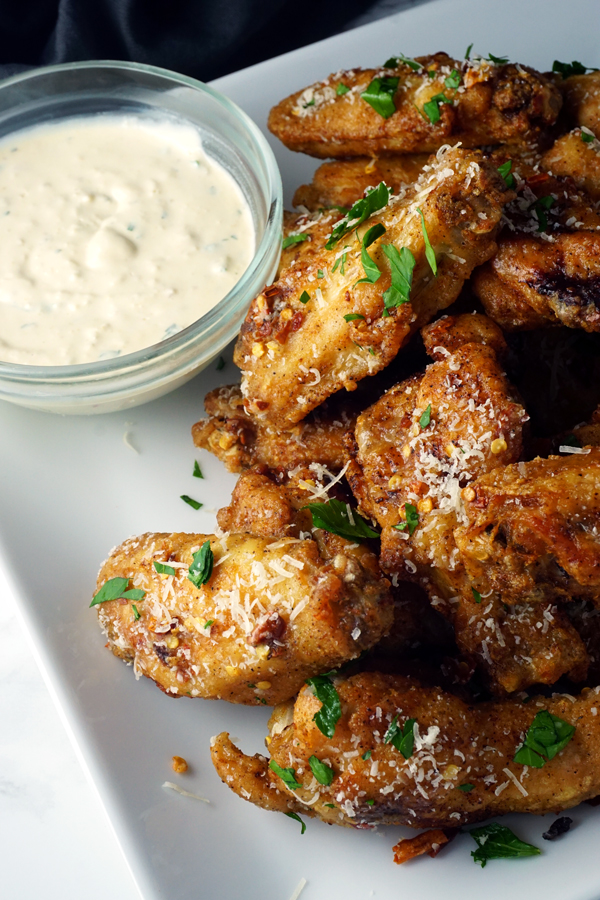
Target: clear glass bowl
233, 140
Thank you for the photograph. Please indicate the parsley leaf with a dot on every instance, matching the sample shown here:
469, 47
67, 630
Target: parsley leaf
330, 713
304, 297
320, 273
330, 805
412, 519
115, 589
341, 89
425, 417
375, 199
547, 736
163, 569
350, 317
333, 516
498, 60
573, 68
370, 803
506, 173
432, 108
586, 136
372, 270
467, 786
201, 566
468, 53
540, 206
380, 95
322, 772
429, 251
293, 815
402, 738
210, 622
288, 776
195, 504
293, 239
220, 364
392, 62
496, 841
452, 82
366, 755
197, 473
401, 264
136, 614
476, 595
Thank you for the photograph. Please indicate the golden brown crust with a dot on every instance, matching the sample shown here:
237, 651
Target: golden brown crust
456, 744
294, 355
573, 157
448, 333
582, 100
493, 104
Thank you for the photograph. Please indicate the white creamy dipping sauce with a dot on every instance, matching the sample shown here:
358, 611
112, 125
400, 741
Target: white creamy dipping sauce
115, 233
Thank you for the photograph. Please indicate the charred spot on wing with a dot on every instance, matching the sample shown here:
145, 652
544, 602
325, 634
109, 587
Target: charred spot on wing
569, 289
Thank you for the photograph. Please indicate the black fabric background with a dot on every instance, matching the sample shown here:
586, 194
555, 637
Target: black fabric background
201, 38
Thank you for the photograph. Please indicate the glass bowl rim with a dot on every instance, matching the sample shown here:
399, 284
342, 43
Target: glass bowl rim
200, 328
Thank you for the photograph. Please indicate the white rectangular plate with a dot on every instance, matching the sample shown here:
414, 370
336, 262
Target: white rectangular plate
71, 488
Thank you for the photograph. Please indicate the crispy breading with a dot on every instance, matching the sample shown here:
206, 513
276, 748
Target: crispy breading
531, 283
582, 100
473, 425
448, 333
241, 441
454, 744
492, 104
344, 181
313, 228
533, 530
293, 355
572, 156
276, 609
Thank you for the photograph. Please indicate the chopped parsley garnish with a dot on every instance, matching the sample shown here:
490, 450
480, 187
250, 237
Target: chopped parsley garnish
293, 239
476, 595
322, 772
366, 755
195, 504
468, 53
452, 82
210, 622
392, 62
380, 95
375, 199
429, 252
341, 89
402, 738
467, 786
547, 736
412, 519
586, 136
330, 805
572, 68
288, 776
310, 103
136, 614
197, 473
320, 273
506, 173
220, 364
425, 418
163, 569
304, 297
333, 516
432, 107
372, 270
330, 713
370, 803
402, 264
293, 815
115, 589
498, 60
540, 207
496, 841
201, 566
350, 317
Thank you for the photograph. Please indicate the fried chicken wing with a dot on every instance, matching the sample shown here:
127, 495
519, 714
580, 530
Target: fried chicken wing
343, 182
448, 333
296, 347
276, 609
574, 156
472, 101
241, 441
581, 95
454, 744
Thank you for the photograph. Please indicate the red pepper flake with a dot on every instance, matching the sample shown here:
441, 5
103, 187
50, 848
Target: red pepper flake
271, 291
430, 842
